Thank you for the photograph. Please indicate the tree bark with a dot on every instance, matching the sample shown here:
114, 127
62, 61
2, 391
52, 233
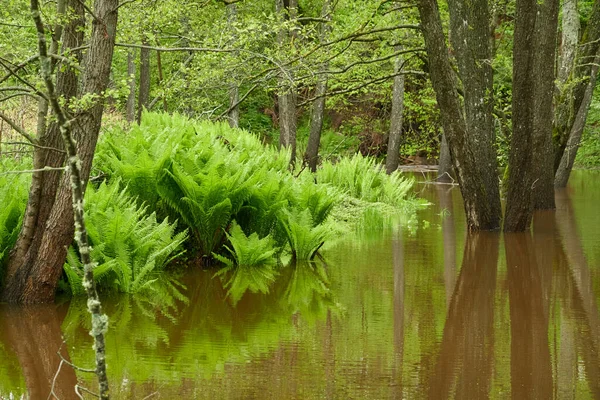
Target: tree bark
318, 110
533, 80
571, 99
131, 70
546, 30
287, 97
475, 168
393, 151
144, 89
568, 158
33, 279
234, 90
444, 173
569, 39
44, 185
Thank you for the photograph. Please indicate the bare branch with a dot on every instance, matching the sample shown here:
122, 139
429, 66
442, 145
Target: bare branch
17, 128
173, 49
36, 146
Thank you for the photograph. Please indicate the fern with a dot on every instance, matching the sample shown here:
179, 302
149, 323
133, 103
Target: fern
128, 245
303, 236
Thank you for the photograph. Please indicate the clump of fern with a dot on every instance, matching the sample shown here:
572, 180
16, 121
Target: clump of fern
13, 197
362, 178
250, 264
129, 245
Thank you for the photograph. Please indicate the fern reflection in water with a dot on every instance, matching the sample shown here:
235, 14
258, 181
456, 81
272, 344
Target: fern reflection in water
156, 338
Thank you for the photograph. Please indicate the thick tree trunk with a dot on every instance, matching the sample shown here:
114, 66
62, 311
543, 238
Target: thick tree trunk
568, 157
33, 279
144, 89
535, 27
44, 185
470, 156
393, 151
316, 122
131, 70
545, 61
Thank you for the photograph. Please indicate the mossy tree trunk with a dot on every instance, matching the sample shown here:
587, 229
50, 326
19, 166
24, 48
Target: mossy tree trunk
571, 100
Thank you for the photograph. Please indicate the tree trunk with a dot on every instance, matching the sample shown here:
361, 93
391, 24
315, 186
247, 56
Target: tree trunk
444, 173
234, 90
569, 39
318, 110
472, 160
287, 96
546, 30
131, 69
571, 100
44, 185
535, 27
144, 90
568, 157
393, 151
160, 81
33, 278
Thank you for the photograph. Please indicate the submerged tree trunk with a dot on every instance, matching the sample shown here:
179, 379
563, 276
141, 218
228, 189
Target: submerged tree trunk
144, 89
33, 277
131, 69
318, 110
393, 151
533, 80
568, 157
473, 160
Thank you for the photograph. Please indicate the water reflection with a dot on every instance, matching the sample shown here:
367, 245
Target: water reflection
465, 361
33, 335
426, 313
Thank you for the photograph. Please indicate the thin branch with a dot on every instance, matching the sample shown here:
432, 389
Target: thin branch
85, 6
6, 98
124, 3
86, 390
14, 73
237, 103
32, 171
173, 49
36, 146
17, 128
355, 88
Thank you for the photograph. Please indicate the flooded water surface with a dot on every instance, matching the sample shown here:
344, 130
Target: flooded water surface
425, 311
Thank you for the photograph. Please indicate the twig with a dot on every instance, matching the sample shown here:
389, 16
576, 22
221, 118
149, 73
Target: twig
32, 171
174, 49
17, 128
36, 146
86, 390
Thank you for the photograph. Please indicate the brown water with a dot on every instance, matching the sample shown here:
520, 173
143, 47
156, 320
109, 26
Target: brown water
422, 314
